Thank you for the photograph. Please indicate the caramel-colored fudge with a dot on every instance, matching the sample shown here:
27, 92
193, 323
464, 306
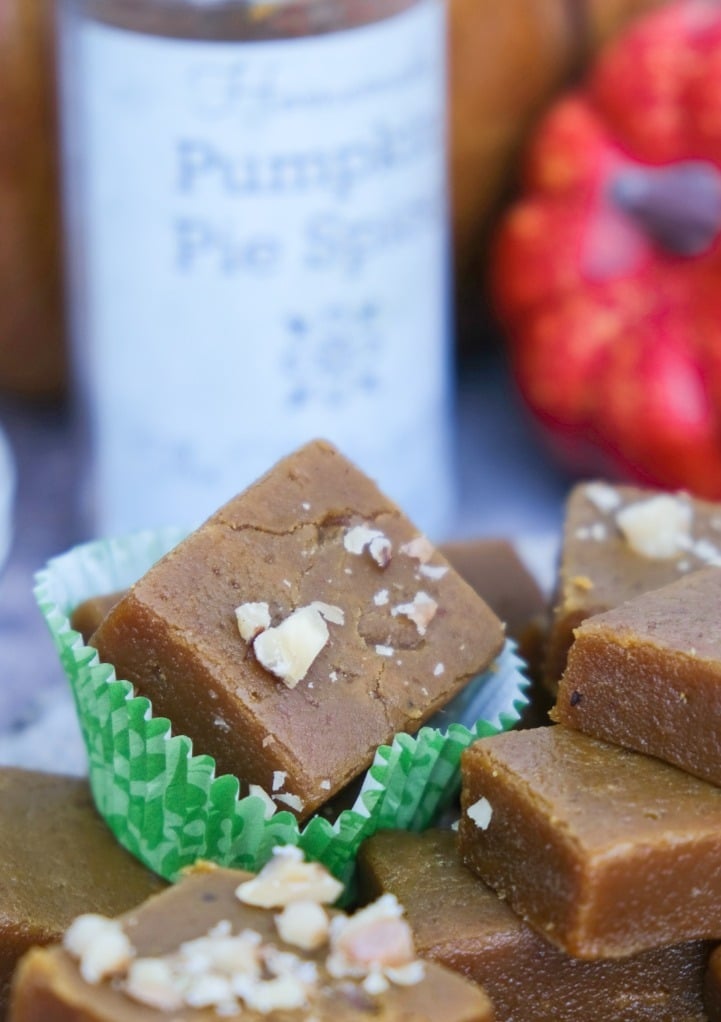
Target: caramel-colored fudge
460, 922
497, 573
88, 615
712, 987
303, 625
604, 851
647, 675
619, 542
185, 955
57, 859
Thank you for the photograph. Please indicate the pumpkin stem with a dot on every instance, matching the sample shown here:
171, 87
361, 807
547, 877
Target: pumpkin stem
678, 205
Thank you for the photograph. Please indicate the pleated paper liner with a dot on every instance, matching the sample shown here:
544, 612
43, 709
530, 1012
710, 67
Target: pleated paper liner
168, 807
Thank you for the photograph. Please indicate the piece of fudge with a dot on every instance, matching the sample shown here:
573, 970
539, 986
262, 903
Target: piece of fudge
460, 922
604, 851
225, 944
619, 542
647, 675
712, 987
497, 573
303, 625
57, 859
88, 615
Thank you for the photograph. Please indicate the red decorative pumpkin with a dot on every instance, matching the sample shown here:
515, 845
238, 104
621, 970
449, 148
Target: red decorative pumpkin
607, 272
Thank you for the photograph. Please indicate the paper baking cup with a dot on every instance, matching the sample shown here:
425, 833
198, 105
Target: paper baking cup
168, 807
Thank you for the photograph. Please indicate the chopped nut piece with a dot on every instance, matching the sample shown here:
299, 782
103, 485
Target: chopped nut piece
294, 801
376, 936
336, 615
381, 598
658, 528
421, 611
289, 649
419, 548
481, 812
605, 497
382, 650
433, 571
152, 981
269, 805
287, 878
279, 777
100, 945
379, 546
304, 924
253, 618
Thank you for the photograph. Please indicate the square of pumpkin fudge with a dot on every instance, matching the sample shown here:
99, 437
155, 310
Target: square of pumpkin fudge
604, 851
647, 675
223, 944
460, 922
618, 542
57, 859
303, 625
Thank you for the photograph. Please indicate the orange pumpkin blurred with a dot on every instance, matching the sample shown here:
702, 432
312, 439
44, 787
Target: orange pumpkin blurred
607, 274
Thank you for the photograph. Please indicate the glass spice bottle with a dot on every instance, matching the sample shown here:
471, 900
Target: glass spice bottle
256, 212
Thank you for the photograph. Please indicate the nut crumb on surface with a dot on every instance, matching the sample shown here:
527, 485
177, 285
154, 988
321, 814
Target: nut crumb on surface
421, 611
229, 971
603, 496
289, 649
480, 812
658, 528
252, 618
420, 548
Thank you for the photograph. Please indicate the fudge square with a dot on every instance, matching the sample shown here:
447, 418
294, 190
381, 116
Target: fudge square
224, 944
647, 675
604, 851
301, 626
460, 922
57, 859
619, 542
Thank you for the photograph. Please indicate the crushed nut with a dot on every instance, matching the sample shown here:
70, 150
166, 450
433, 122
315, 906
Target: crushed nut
376, 937
420, 611
279, 779
360, 537
657, 528
381, 598
433, 571
253, 618
269, 806
420, 548
100, 945
287, 878
480, 812
294, 801
289, 649
335, 615
382, 650
152, 981
603, 496
304, 924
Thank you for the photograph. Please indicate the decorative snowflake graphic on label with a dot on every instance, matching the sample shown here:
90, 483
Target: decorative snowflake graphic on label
332, 355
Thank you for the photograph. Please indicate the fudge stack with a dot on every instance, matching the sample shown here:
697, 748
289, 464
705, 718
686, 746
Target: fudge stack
597, 839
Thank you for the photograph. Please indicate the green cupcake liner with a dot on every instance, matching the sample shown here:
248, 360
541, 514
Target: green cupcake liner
168, 807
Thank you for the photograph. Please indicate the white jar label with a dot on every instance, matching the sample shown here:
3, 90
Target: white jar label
262, 234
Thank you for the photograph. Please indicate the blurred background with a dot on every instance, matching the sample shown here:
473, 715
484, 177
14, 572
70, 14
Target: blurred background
576, 333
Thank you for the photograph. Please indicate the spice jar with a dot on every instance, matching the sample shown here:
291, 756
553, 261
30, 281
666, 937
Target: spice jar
257, 223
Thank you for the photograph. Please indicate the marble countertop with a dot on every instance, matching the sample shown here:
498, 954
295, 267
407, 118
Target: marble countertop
507, 486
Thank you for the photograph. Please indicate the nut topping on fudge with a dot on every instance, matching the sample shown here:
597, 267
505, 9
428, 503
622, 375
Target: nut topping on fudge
299, 628
198, 952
